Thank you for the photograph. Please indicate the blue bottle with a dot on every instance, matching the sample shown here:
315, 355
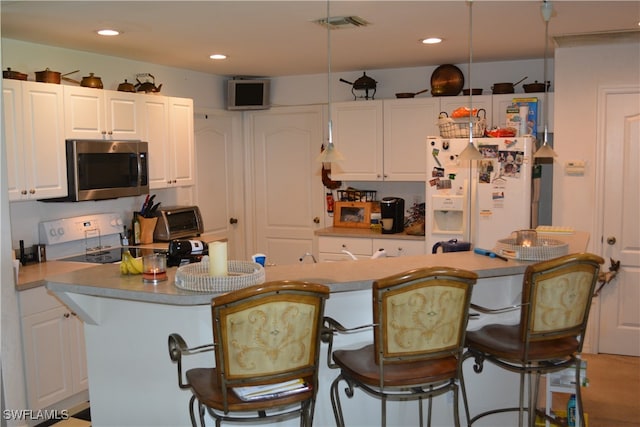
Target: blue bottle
571, 411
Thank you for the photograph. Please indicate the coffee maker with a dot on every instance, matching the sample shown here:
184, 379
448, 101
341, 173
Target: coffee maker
392, 215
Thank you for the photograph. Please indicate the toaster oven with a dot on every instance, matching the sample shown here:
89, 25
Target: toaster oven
178, 222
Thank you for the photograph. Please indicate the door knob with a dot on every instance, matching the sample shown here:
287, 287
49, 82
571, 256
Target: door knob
233, 220
316, 220
611, 240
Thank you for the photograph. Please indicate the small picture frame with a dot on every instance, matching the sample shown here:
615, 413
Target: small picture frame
352, 214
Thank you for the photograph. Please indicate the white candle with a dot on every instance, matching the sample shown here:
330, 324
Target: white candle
218, 259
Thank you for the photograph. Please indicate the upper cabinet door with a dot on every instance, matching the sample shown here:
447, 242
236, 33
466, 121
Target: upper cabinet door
34, 132
44, 141
123, 115
155, 111
358, 135
407, 124
101, 114
181, 139
13, 129
84, 113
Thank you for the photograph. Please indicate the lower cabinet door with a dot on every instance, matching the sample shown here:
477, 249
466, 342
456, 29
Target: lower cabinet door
47, 358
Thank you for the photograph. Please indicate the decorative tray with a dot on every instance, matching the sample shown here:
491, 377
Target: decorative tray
545, 249
242, 274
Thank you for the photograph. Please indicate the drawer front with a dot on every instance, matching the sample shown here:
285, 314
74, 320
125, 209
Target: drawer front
354, 245
37, 300
398, 247
334, 257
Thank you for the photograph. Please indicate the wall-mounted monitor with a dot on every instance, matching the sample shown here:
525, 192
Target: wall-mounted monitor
248, 94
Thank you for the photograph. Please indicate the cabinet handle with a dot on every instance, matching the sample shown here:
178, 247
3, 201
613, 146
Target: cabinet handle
233, 220
66, 315
316, 220
110, 132
32, 191
104, 132
611, 240
23, 192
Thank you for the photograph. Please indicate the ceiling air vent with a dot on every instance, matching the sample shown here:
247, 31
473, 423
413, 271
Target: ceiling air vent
340, 22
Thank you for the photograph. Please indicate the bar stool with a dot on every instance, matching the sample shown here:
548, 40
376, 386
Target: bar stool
556, 297
420, 319
267, 346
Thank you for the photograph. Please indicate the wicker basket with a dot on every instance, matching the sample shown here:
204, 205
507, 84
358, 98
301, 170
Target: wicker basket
242, 274
545, 249
459, 128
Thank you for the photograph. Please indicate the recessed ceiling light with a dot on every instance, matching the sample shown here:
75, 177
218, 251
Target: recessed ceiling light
218, 56
108, 32
431, 40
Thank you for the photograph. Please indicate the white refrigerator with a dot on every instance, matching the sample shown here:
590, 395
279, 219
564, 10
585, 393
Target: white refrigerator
478, 201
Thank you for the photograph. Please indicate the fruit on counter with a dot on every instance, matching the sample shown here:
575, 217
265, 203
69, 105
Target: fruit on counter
506, 132
463, 112
129, 264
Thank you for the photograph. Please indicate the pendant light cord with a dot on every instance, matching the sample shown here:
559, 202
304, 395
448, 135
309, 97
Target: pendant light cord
329, 93
546, 90
469, 72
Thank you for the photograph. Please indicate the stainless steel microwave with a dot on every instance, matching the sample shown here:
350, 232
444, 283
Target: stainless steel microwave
99, 169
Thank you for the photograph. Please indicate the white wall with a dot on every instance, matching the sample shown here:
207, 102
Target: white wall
580, 70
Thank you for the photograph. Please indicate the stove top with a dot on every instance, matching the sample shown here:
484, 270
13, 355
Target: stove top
110, 256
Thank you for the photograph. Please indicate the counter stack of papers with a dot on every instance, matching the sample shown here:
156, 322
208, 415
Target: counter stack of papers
272, 390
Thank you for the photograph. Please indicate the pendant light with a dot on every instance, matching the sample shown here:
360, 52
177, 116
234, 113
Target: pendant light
470, 152
329, 153
546, 152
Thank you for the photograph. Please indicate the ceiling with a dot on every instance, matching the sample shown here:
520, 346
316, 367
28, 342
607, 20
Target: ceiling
278, 38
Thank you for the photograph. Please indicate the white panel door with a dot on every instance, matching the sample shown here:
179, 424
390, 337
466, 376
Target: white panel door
219, 188
288, 201
619, 331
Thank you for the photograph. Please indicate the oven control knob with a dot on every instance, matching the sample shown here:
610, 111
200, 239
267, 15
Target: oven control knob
116, 222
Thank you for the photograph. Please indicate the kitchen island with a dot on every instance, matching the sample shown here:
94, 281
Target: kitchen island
132, 381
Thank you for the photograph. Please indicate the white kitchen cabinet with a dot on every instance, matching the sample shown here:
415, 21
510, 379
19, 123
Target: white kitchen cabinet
358, 135
168, 129
181, 141
331, 248
400, 247
101, 114
34, 134
54, 349
407, 123
383, 140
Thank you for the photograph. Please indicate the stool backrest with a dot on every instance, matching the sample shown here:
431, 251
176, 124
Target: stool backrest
421, 314
268, 333
557, 296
